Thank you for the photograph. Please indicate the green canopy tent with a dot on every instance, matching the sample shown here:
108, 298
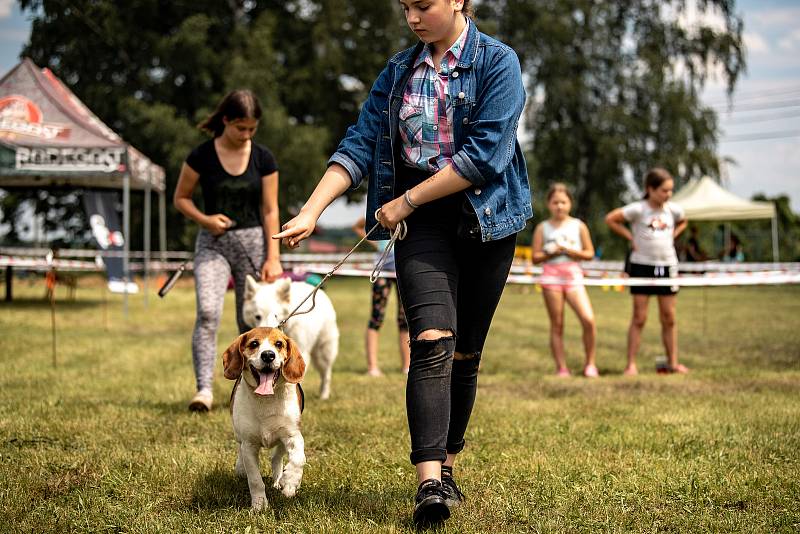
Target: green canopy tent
49, 138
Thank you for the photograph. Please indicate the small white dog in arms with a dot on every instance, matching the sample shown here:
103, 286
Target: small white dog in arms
266, 404
267, 304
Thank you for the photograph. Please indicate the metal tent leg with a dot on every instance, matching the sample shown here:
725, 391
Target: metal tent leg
126, 231
146, 240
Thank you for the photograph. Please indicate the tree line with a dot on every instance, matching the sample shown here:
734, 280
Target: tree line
613, 85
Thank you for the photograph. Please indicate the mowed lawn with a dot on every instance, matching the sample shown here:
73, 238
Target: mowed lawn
103, 442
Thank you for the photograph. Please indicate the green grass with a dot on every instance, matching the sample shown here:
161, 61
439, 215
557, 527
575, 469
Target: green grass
103, 442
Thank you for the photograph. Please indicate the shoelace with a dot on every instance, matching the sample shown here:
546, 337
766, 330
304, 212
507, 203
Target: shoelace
450, 483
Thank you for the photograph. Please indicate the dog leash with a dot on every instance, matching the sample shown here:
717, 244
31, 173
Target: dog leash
400, 232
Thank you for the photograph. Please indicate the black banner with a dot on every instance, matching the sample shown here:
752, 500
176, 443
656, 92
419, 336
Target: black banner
104, 220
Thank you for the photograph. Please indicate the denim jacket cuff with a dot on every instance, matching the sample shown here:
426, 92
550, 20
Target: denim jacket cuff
350, 166
467, 169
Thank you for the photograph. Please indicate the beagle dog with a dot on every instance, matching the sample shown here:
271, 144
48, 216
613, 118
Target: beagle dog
266, 403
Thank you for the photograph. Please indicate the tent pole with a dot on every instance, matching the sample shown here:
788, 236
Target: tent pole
146, 238
162, 225
727, 240
775, 249
126, 231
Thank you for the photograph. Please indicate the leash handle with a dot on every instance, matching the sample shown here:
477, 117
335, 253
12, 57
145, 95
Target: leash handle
400, 232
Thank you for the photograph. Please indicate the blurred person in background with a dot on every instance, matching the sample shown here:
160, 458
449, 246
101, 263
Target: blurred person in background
560, 243
654, 222
239, 183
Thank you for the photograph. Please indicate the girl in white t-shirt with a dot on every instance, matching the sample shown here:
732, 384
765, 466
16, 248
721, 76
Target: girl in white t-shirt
559, 243
654, 222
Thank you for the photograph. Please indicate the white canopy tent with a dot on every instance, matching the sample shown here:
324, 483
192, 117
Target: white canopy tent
706, 200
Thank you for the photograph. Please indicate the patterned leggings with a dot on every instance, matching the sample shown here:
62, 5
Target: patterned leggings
238, 252
380, 297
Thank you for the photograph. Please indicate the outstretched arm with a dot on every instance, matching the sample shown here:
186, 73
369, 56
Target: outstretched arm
335, 181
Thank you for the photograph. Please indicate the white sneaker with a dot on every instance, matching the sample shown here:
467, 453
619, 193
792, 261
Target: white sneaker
202, 401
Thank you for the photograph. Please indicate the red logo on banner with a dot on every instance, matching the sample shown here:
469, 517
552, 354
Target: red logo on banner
17, 107
21, 116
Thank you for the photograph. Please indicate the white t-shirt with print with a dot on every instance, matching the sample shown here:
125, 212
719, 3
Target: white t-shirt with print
653, 232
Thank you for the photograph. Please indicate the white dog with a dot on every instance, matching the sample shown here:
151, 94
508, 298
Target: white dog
267, 304
266, 403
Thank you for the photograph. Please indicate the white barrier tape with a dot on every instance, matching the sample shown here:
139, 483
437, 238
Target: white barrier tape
358, 258
766, 278
36, 264
70, 253
774, 277
616, 267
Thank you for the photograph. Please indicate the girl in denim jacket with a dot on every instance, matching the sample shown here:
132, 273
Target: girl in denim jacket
437, 137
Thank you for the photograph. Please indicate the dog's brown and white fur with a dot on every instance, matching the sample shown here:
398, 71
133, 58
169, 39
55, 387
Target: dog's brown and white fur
314, 329
265, 407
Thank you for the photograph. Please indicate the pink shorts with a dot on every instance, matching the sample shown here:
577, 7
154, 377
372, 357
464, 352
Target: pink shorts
570, 274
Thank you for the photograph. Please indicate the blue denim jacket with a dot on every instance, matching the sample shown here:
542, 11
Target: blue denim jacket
488, 97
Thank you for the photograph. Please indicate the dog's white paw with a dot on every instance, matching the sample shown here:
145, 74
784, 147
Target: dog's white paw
289, 490
288, 484
259, 503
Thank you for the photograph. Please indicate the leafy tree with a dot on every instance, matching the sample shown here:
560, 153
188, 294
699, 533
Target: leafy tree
154, 69
614, 86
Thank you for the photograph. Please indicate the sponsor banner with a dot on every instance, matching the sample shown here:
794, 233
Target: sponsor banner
104, 220
70, 159
21, 116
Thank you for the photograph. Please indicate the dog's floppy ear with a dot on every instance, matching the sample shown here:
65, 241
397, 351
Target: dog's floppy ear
295, 366
284, 289
250, 287
233, 360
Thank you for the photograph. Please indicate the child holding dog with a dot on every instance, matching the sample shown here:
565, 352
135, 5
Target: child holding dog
560, 243
437, 137
655, 222
239, 182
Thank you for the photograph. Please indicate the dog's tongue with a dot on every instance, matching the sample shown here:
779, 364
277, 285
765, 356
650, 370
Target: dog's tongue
265, 382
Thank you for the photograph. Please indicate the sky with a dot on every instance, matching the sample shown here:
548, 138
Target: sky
761, 129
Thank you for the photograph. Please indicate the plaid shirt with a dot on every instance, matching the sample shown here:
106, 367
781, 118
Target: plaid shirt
426, 115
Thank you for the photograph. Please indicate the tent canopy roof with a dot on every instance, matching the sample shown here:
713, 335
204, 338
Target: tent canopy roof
705, 200
49, 137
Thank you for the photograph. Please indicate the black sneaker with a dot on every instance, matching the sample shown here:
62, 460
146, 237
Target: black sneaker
429, 504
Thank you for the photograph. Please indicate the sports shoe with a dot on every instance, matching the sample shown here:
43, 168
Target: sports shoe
429, 504
563, 372
202, 401
590, 371
453, 495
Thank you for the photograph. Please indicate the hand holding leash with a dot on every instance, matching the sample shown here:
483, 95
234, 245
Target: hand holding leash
399, 232
391, 214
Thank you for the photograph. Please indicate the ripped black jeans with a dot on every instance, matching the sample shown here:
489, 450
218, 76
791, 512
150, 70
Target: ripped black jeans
448, 280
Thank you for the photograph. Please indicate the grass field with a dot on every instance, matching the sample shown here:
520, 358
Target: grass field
102, 441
